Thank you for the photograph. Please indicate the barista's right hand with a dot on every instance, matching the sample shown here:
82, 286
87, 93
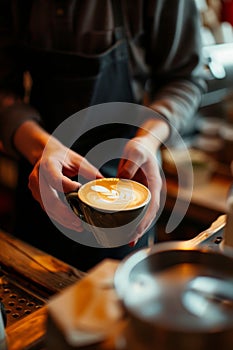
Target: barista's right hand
51, 176
55, 165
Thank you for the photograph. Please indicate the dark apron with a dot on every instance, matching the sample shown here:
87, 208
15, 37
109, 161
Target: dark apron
63, 84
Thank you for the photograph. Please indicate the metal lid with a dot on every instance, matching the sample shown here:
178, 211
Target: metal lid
179, 289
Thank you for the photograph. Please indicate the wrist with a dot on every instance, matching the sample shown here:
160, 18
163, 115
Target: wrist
156, 131
30, 140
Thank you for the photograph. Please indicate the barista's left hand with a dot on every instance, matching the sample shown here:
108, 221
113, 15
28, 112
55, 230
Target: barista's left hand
139, 163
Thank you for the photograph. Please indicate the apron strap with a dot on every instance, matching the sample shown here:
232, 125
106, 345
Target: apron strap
118, 19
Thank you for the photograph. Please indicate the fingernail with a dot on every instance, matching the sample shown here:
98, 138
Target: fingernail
133, 243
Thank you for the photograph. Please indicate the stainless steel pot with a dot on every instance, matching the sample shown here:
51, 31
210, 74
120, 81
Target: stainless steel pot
178, 297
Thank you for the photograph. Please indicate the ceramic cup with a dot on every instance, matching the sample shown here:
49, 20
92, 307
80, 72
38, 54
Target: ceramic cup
111, 208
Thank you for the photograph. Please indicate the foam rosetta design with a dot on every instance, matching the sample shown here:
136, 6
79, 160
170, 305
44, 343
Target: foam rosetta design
114, 194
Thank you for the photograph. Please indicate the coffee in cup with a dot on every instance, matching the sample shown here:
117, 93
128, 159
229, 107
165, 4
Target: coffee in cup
111, 207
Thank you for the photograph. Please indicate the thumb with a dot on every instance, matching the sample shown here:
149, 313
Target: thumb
69, 185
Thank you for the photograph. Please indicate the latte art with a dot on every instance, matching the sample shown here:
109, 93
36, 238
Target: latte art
114, 194
105, 193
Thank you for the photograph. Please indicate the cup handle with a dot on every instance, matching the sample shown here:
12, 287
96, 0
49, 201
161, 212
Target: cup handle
73, 200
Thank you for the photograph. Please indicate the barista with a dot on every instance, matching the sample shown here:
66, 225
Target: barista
79, 54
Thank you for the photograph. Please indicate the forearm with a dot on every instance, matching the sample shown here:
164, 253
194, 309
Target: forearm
177, 63
156, 131
30, 140
13, 114
177, 102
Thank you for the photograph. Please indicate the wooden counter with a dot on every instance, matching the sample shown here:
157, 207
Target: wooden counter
43, 276
47, 278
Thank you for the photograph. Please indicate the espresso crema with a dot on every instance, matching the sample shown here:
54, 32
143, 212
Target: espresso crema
114, 194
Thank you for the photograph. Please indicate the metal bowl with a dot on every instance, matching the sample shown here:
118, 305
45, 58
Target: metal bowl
177, 297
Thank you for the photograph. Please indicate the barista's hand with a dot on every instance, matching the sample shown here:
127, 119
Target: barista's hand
139, 163
51, 177
54, 166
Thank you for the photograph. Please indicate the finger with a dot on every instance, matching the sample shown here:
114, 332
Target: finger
54, 178
155, 185
141, 177
65, 216
129, 168
69, 185
150, 215
56, 209
133, 158
133, 243
33, 184
88, 170
76, 164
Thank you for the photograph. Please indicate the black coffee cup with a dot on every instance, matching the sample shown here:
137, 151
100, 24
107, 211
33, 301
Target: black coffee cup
111, 208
